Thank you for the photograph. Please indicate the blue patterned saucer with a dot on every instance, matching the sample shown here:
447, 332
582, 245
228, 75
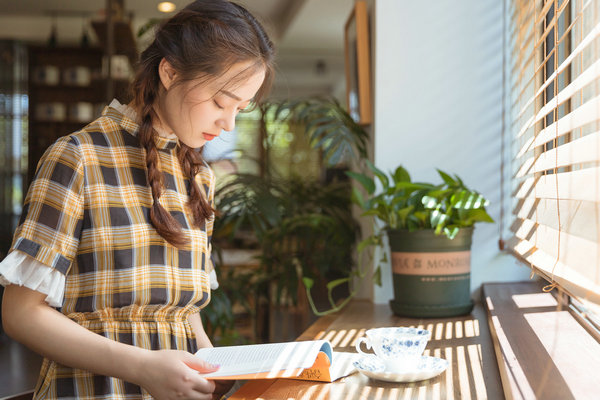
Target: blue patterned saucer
374, 368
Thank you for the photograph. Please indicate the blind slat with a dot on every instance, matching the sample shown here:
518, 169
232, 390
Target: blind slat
589, 75
567, 277
583, 115
581, 184
587, 40
574, 217
582, 150
573, 250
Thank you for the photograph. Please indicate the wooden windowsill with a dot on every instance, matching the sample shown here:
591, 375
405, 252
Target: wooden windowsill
542, 352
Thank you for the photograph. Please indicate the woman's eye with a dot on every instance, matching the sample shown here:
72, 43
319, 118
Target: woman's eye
218, 105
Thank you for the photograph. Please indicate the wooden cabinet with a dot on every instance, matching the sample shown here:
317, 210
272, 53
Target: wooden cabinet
67, 90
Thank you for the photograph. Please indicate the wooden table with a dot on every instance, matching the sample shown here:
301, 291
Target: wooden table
464, 341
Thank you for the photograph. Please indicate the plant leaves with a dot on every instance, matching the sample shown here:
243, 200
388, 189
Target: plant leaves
364, 180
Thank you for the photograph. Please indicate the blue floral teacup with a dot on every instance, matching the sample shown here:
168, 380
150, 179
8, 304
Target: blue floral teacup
400, 348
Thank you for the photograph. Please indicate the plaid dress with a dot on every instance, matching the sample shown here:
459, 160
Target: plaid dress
87, 215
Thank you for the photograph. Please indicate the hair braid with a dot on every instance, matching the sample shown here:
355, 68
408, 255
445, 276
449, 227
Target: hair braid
191, 162
162, 220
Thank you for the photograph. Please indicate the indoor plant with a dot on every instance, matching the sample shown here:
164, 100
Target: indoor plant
429, 227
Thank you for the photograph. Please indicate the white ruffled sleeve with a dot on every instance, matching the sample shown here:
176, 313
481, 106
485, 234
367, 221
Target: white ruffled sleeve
20, 269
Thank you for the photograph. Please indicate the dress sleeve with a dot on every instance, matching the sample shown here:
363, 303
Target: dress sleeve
52, 217
20, 269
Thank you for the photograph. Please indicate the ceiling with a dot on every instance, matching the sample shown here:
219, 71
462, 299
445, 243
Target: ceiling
306, 32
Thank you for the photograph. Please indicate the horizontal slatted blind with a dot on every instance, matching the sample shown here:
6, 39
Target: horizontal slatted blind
555, 114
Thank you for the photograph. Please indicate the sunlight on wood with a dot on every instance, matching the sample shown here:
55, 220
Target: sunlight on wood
471, 328
379, 394
360, 334
310, 393
436, 388
364, 393
407, 393
463, 374
422, 393
430, 328
574, 353
517, 376
348, 338
338, 338
448, 330
490, 305
458, 327
534, 300
474, 351
439, 331
323, 393
319, 335
330, 334
449, 373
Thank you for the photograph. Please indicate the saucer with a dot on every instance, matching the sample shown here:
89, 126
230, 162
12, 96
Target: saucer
374, 368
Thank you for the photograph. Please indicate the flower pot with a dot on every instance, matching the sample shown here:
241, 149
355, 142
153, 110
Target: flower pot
431, 273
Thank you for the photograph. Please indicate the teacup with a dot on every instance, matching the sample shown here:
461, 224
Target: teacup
400, 348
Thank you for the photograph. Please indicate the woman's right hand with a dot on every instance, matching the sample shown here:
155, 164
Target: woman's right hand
174, 374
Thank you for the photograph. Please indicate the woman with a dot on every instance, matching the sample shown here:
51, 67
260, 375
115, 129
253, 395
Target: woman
116, 227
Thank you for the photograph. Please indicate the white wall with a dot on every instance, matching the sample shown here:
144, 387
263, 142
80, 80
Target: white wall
438, 104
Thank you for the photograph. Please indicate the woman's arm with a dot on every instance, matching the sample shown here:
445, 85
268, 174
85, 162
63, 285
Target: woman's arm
165, 373
201, 337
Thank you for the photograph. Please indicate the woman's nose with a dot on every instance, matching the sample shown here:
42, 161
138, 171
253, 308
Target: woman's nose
228, 122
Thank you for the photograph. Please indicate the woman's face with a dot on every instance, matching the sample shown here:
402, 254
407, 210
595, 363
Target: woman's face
196, 111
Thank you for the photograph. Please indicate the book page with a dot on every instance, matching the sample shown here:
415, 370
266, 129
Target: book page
270, 358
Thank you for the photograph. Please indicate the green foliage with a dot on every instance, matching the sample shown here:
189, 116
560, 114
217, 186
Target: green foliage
403, 204
328, 126
304, 228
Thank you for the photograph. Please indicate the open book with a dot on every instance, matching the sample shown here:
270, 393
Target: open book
310, 360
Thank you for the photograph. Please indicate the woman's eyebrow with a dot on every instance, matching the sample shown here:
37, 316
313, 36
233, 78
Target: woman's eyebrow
229, 94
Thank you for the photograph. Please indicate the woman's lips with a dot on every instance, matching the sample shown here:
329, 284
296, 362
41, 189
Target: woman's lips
208, 136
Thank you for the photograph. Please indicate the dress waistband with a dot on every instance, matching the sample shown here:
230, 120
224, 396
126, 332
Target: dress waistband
134, 313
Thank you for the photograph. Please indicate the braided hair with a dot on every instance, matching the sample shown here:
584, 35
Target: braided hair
202, 41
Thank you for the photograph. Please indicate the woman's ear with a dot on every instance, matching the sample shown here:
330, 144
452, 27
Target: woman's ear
167, 73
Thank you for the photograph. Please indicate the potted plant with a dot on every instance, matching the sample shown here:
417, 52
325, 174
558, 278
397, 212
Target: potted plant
429, 227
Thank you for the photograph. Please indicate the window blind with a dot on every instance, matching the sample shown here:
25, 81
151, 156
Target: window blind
554, 91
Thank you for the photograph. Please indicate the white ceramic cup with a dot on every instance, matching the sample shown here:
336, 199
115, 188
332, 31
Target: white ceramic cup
400, 348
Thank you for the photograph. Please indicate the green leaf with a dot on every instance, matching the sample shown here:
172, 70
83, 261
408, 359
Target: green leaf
337, 282
447, 178
401, 175
357, 198
370, 241
429, 202
308, 282
451, 232
476, 215
364, 180
377, 276
380, 174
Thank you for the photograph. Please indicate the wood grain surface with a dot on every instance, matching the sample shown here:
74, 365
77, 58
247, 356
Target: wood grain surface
464, 341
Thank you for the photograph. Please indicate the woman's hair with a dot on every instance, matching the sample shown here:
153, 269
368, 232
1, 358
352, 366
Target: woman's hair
202, 41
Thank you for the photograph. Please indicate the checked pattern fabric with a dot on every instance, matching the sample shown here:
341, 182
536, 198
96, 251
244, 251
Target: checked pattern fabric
87, 214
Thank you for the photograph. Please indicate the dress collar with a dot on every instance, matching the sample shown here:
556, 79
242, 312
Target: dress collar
127, 119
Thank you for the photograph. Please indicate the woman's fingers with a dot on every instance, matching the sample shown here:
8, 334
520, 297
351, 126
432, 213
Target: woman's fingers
200, 365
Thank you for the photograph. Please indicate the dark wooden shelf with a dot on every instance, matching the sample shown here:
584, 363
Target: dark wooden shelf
44, 132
